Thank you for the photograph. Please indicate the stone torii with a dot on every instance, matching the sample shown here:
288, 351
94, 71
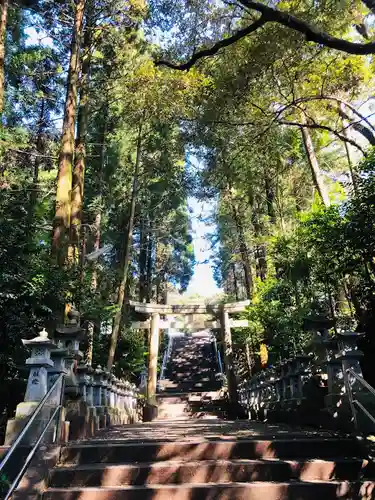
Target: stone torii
222, 322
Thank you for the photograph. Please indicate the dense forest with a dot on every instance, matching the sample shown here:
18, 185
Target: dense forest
114, 112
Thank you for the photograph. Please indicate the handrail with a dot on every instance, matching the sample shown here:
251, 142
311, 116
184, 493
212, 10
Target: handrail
353, 401
30, 456
349, 391
166, 356
361, 380
366, 412
29, 423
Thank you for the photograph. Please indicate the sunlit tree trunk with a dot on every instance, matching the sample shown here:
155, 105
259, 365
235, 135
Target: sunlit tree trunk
126, 261
314, 166
61, 224
3, 26
80, 146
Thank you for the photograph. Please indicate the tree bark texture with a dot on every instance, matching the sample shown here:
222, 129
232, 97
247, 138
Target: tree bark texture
249, 285
126, 262
61, 224
260, 249
143, 242
80, 146
3, 28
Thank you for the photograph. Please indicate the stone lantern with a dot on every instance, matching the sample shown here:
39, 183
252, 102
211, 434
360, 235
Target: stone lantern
349, 355
84, 381
39, 361
37, 385
68, 337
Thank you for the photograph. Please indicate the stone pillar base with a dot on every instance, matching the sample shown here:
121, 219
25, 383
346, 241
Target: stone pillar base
14, 429
23, 412
150, 412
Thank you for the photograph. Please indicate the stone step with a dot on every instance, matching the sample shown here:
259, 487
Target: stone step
210, 471
183, 406
225, 449
332, 490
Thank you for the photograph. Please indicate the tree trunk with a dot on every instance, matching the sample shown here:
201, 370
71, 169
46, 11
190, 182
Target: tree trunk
94, 327
235, 283
244, 252
80, 147
126, 262
353, 175
149, 267
314, 166
261, 254
143, 242
270, 199
61, 224
39, 150
3, 27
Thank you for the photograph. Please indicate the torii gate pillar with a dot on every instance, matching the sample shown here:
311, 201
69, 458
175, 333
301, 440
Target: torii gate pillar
153, 358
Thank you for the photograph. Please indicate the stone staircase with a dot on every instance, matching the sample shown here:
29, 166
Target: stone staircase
200, 459
192, 386
192, 366
182, 457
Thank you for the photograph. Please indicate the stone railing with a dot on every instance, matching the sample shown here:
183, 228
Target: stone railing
90, 399
110, 401
308, 391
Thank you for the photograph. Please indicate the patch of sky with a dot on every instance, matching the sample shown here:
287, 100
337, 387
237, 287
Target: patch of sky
203, 282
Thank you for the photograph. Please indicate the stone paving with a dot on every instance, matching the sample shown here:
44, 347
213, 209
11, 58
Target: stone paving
205, 430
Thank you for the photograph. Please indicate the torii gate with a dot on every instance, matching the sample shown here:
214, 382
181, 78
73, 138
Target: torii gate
222, 321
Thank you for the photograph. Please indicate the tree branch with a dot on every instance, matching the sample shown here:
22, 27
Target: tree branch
215, 48
323, 127
311, 33
359, 127
269, 14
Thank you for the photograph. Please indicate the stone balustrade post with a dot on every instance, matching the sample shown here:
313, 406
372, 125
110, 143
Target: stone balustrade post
302, 363
83, 379
97, 386
122, 401
129, 401
100, 396
284, 383
111, 389
90, 390
107, 391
